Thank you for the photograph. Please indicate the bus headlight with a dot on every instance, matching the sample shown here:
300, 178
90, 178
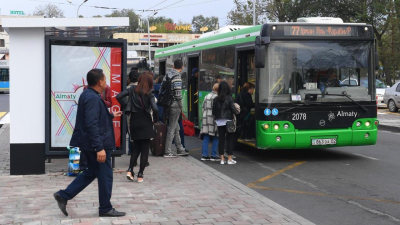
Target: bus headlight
367, 124
266, 126
358, 124
278, 139
276, 127
366, 135
286, 126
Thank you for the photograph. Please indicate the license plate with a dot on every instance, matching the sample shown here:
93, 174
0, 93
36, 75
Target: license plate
330, 141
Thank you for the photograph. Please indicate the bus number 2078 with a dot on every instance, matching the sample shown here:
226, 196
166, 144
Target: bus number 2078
299, 116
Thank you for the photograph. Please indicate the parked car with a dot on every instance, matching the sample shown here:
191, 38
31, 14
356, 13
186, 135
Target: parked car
380, 92
392, 97
349, 82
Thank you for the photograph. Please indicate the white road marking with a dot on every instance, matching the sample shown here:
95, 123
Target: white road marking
5, 119
368, 157
381, 113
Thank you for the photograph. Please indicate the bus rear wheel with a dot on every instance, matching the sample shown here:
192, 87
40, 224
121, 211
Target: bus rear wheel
392, 106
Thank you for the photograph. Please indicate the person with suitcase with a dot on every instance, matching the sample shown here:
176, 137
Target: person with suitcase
142, 101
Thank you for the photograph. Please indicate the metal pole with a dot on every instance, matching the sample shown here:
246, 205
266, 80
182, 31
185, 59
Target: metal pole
254, 12
148, 35
77, 12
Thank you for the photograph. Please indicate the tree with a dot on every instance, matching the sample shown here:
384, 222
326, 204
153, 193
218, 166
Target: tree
49, 11
133, 19
242, 13
97, 16
200, 21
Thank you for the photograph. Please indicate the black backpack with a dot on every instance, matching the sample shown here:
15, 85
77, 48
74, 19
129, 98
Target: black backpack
165, 96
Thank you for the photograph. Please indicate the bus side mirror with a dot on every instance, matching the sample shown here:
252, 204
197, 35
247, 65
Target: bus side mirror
260, 56
376, 61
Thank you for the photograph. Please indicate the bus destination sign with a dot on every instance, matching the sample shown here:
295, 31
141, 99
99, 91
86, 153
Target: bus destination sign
321, 31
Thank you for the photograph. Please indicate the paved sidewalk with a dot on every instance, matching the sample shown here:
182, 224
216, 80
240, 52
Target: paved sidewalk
389, 121
175, 191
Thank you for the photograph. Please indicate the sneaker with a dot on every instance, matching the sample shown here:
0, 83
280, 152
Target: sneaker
222, 162
215, 158
170, 155
183, 153
204, 158
231, 162
226, 155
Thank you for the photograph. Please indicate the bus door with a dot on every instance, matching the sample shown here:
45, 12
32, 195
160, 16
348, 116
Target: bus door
245, 72
162, 70
245, 69
193, 88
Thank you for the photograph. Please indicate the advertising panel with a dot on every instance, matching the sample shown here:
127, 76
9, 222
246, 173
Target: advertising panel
68, 68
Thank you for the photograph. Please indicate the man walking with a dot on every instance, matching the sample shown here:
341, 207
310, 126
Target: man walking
174, 111
94, 135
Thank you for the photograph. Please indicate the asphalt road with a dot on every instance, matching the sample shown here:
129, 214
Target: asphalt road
4, 102
349, 185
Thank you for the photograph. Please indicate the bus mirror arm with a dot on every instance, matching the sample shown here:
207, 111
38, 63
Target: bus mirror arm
376, 61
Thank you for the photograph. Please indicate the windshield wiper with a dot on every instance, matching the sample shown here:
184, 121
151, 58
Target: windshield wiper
347, 96
299, 105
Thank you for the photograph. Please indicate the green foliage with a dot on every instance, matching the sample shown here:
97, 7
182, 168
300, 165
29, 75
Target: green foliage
200, 21
133, 19
49, 11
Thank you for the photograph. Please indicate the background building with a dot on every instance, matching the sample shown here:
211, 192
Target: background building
139, 41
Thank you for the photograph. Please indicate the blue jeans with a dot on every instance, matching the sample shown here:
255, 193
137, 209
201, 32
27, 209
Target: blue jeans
214, 147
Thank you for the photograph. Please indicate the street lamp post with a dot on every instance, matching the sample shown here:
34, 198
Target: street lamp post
148, 35
77, 9
254, 12
77, 12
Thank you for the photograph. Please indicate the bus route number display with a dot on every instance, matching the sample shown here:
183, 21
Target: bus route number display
342, 31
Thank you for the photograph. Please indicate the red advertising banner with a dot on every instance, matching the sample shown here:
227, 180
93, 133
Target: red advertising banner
115, 84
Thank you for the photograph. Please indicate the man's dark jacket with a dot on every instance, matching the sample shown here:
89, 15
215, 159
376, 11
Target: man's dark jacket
94, 127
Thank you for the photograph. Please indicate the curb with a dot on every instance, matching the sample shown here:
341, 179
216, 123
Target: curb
286, 212
388, 128
3, 127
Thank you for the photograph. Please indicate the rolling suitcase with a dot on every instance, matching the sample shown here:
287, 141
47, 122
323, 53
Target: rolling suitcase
158, 143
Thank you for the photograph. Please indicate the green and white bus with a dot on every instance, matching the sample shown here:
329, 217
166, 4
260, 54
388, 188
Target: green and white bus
293, 66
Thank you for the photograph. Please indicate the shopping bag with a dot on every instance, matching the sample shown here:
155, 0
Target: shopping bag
73, 164
188, 127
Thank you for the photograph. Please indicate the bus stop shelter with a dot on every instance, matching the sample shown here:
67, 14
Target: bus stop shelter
28, 111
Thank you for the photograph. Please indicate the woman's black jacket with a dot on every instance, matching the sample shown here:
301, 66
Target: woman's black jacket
245, 100
224, 109
138, 102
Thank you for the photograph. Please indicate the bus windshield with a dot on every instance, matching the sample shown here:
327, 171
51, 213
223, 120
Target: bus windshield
326, 68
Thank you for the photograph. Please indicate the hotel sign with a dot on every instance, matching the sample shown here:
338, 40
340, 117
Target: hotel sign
12, 12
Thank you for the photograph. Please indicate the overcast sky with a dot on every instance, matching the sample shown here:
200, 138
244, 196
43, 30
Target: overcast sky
183, 10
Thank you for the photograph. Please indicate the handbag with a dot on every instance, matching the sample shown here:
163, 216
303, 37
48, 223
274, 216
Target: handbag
188, 127
231, 125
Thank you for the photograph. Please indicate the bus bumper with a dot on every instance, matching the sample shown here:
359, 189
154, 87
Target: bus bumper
279, 136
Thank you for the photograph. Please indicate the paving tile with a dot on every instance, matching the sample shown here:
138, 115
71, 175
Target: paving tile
175, 191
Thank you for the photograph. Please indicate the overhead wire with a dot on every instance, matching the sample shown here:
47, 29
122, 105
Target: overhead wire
198, 3
153, 6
